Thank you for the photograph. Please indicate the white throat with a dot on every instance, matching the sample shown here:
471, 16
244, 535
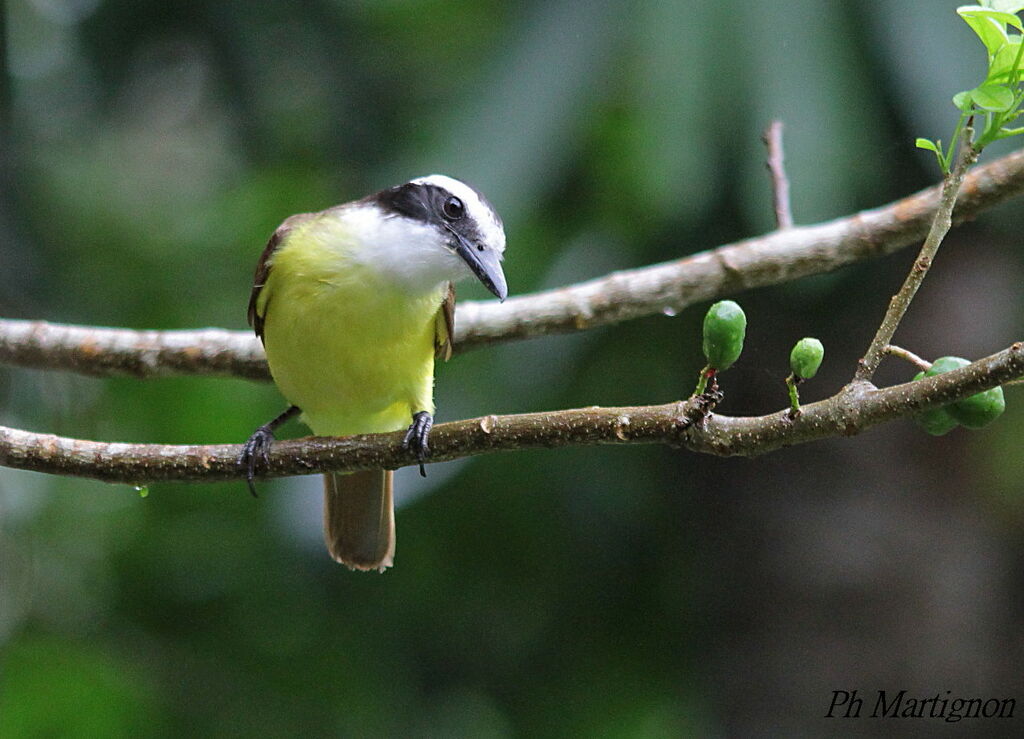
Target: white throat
414, 256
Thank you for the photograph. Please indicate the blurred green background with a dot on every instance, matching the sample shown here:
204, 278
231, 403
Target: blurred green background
150, 147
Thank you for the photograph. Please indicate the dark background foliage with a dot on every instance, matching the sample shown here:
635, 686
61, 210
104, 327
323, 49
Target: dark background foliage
148, 150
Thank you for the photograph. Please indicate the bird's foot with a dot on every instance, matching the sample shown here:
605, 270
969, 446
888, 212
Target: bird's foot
416, 437
255, 451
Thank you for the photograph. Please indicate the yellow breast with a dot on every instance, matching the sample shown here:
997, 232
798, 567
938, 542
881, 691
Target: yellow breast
350, 348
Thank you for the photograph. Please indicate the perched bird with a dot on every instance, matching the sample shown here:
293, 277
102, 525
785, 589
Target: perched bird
353, 304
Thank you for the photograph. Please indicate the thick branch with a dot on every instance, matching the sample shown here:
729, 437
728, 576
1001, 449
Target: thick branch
92, 350
778, 257
856, 407
669, 287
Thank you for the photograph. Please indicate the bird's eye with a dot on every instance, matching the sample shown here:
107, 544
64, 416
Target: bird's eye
453, 208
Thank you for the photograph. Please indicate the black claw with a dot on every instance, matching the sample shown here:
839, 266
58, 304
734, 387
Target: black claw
257, 448
255, 451
416, 437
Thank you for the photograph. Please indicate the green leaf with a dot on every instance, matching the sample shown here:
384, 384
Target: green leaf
990, 25
1005, 62
1006, 18
936, 147
998, 16
993, 97
962, 101
1005, 6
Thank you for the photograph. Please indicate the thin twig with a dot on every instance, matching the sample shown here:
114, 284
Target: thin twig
856, 407
772, 139
773, 259
941, 224
908, 356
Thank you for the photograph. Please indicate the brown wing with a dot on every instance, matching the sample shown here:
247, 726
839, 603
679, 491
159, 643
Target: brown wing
444, 326
263, 267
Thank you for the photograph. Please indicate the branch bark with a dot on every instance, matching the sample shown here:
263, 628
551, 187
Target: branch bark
858, 406
943, 221
908, 356
776, 164
104, 352
669, 287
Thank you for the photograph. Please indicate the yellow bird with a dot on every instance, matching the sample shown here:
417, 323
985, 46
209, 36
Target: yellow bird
353, 304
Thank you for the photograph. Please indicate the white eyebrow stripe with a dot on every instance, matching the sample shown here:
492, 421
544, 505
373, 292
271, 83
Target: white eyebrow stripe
488, 221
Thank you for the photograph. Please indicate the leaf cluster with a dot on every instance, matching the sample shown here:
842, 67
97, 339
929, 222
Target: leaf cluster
999, 98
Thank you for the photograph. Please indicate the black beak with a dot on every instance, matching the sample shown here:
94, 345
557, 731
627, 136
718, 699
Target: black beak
484, 263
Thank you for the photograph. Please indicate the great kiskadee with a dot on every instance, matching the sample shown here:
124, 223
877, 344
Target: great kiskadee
353, 304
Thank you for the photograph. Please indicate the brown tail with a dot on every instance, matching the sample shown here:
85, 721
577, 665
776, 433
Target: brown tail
359, 519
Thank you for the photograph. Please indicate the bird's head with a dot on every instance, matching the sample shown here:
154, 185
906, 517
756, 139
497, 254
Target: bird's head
442, 229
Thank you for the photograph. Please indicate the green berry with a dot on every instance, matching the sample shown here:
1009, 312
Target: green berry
979, 410
946, 364
936, 421
976, 411
725, 325
805, 359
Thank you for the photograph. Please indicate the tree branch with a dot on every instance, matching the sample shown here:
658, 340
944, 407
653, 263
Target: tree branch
772, 139
92, 350
943, 221
672, 286
908, 356
856, 407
